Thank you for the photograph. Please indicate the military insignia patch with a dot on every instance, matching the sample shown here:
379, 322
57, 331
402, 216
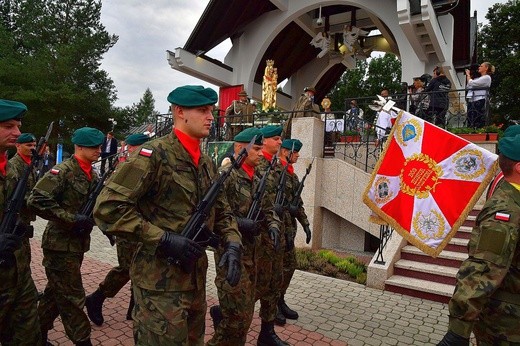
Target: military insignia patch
55, 171
383, 193
146, 152
429, 226
469, 164
502, 216
409, 131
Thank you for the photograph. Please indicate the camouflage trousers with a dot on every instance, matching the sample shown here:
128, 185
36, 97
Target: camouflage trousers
269, 276
169, 318
289, 266
64, 295
236, 303
19, 323
118, 276
498, 324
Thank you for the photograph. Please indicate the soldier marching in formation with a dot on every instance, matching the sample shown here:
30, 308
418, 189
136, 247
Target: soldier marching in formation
19, 323
118, 276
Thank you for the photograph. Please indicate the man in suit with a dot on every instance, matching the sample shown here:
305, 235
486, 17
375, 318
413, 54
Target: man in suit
108, 150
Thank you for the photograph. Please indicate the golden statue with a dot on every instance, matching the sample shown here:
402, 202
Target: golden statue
269, 86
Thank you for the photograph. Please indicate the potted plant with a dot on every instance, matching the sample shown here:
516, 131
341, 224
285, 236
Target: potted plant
469, 133
493, 132
349, 136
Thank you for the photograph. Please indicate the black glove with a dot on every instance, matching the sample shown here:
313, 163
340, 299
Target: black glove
231, 259
278, 208
83, 224
289, 241
294, 210
453, 339
308, 233
274, 234
24, 230
9, 243
248, 227
179, 248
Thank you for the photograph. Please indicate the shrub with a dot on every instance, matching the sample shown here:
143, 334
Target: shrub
361, 278
330, 270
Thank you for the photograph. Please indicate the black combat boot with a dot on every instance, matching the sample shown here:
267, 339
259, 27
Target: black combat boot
84, 343
268, 337
216, 315
286, 311
94, 303
279, 319
130, 306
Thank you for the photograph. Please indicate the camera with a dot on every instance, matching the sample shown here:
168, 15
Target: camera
319, 21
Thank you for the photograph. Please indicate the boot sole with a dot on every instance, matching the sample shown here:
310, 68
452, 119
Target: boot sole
88, 304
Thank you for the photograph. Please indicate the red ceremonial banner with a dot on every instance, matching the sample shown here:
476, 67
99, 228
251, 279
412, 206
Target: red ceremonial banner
426, 182
226, 96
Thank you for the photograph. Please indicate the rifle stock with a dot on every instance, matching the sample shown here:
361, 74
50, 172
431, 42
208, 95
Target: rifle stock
255, 208
296, 199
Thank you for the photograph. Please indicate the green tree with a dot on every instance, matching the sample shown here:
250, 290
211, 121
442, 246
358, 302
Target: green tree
50, 54
144, 110
499, 44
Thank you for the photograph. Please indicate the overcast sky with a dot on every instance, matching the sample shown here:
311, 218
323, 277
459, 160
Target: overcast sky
146, 29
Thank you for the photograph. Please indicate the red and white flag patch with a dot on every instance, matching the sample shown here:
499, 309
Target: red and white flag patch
146, 152
502, 216
55, 171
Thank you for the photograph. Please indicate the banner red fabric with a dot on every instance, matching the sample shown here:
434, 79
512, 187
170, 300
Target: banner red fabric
226, 96
426, 182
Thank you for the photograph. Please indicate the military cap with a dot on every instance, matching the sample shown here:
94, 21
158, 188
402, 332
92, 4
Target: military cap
136, 139
26, 138
310, 89
271, 131
510, 147
11, 110
512, 131
242, 93
292, 144
88, 137
192, 96
247, 135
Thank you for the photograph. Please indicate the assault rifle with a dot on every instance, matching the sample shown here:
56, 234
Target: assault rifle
88, 207
296, 199
255, 208
10, 221
279, 200
196, 228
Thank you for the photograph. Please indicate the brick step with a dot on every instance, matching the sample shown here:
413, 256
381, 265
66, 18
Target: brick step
423, 289
457, 245
445, 258
463, 232
470, 221
426, 271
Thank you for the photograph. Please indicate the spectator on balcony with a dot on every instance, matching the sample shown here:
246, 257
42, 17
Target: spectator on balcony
239, 115
355, 117
477, 94
438, 88
420, 101
384, 120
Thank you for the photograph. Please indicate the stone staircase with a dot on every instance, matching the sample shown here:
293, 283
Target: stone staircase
419, 275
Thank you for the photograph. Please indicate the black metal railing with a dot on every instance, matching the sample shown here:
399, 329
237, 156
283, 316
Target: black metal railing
385, 233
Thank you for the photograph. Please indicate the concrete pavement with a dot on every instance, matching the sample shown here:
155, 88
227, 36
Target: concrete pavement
332, 311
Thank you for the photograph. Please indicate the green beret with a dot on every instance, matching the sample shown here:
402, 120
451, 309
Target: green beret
88, 137
26, 138
11, 110
512, 131
271, 131
137, 139
510, 147
193, 96
247, 135
292, 144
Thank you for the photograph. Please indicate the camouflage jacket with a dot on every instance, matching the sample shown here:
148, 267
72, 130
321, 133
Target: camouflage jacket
156, 191
18, 165
290, 222
9, 276
492, 270
58, 196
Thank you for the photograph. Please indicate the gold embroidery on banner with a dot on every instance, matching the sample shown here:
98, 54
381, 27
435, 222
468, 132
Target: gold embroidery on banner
429, 226
409, 130
419, 176
382, 192
469, 164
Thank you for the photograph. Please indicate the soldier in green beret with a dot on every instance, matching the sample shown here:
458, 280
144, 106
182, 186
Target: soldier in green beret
272, 242
25, 144
19, 323
149, 199
511, 131
486, 300
118, 276
58, 197
231, 320
289, 155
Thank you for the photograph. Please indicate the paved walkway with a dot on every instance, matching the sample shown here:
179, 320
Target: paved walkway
332, 311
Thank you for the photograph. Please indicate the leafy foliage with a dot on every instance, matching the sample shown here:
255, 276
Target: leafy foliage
500, 43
